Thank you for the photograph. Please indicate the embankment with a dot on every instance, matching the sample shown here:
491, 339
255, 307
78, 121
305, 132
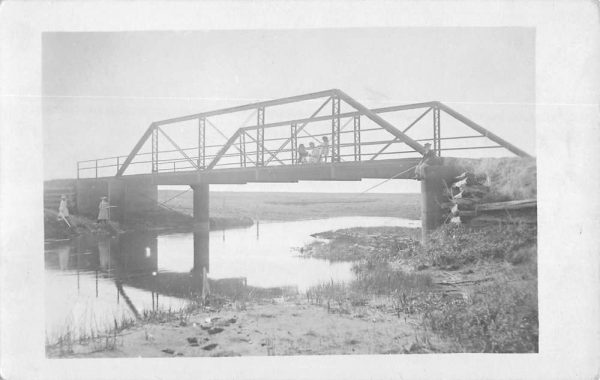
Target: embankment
475, 288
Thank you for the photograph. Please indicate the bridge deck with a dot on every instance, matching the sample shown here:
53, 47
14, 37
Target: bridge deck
338, 171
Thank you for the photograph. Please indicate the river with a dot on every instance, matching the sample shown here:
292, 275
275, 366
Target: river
91, 280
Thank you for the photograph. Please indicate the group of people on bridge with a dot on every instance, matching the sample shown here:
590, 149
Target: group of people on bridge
314, 154
317, 154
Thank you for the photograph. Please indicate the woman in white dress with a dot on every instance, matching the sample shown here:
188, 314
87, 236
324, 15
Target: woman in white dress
103, 213
63, 209
315, 153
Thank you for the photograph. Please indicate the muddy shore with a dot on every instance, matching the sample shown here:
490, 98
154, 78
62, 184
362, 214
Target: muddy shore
277, 327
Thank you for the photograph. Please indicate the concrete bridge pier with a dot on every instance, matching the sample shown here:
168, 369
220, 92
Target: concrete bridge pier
201, 227
432, 197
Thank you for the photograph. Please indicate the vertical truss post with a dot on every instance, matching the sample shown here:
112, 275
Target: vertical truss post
335, 128
260, 136
201, 143
357, 153
437, 142
243, 136
294, 140
242, 150
155, 150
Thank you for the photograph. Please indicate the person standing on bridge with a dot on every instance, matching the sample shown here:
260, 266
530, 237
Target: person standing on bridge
103, 215
324, 149
429, 159
315, 153
302, 154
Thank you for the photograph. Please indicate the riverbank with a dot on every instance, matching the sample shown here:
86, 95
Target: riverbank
476, 288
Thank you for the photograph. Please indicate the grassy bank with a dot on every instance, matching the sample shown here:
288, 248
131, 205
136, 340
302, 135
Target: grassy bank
297, 206
476, 288
509, 178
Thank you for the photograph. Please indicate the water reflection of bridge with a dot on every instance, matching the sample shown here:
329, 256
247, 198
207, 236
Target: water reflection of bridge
131, 260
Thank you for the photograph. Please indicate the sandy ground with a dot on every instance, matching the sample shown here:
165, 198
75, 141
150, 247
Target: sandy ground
290, 327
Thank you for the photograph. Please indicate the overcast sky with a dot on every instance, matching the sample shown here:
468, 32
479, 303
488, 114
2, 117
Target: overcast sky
101, 90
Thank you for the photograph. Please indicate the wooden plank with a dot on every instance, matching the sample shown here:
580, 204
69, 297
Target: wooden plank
510, 205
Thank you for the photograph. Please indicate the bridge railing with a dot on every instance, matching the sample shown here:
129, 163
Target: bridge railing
355, 133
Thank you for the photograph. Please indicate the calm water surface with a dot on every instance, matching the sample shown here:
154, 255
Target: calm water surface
92, 280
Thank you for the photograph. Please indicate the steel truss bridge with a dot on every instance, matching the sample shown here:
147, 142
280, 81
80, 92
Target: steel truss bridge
363, 142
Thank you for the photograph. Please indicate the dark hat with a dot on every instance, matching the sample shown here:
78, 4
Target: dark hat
427, 144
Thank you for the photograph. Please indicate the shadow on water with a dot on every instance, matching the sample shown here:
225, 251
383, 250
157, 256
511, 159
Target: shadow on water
130, 260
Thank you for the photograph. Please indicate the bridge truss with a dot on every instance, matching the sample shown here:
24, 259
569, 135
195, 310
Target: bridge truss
356, 133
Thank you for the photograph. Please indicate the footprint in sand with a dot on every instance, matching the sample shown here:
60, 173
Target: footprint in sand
215, 330
210, 347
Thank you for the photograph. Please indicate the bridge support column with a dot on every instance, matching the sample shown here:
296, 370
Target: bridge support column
432, 191
201, 227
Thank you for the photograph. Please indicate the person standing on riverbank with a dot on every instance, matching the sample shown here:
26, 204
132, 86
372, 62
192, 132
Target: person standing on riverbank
103, 215
63, 209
